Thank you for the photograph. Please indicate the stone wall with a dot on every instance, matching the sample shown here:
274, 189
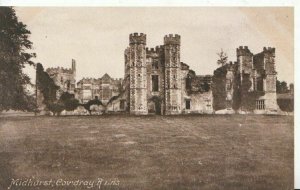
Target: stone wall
64, 78
172, 75
244, 59
260, 70
138, 74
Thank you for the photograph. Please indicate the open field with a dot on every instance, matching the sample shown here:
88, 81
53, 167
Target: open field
233, 152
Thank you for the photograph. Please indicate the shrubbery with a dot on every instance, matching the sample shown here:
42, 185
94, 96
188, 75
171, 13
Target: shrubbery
56, 107
286, 104
88, 105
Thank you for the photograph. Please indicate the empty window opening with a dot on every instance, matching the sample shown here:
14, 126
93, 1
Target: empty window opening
122, 104
154, 83
187, 104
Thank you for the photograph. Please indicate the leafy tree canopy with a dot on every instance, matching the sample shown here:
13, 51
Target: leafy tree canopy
45, 84
223, 58
69, 101
14, 43
281, 87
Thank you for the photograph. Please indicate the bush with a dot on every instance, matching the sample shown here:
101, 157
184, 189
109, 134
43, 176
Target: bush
92, 102
56, 108
286, 104
69, 101
71, 104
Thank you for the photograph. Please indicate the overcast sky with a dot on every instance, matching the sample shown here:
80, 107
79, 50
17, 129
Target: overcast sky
96, 37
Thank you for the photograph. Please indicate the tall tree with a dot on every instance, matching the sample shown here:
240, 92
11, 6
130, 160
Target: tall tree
45, 84
223, 58
14, 43
281, 87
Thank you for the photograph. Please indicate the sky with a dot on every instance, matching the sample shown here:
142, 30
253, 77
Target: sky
97, 37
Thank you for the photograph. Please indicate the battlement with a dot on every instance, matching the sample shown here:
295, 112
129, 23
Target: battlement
171, 39
157, 49
137, 38
59, 70
243, 51
151, 50
90, 80
269, 50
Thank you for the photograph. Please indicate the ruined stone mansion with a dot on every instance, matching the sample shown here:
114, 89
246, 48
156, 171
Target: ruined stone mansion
156, 81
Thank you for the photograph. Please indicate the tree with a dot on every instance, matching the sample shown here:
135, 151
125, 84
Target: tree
56, 107
286, 104
14, 41
281, 87
46, 85
69, 101
88, 105
291, 88
71, 104
222, 58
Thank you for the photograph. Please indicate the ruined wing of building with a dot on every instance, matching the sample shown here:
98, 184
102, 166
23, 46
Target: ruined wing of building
251, 74
156, 81
64, 78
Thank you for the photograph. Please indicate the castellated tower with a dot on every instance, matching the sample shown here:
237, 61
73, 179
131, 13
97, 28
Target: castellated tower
74, 67
172, 75
138, 74
269, 55
244, 60
270, 78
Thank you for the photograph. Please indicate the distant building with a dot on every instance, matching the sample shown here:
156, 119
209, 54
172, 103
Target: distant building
157, 82
64, 78
103, 88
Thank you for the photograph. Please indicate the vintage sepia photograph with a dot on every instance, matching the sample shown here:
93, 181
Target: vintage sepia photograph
146, 98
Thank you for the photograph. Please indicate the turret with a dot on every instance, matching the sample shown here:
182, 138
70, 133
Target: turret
73, 65
137, 74
172, 40
269, 49
244, 59
243, 51
136, 38
172, 74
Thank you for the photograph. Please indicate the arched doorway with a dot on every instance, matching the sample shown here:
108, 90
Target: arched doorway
154, 105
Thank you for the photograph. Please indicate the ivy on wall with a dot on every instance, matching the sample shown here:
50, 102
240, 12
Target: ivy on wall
46, 85
243, 97
218, 88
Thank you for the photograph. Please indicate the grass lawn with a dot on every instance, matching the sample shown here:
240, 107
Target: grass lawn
214, 152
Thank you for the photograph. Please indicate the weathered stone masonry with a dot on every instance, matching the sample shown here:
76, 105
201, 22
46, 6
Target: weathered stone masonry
157, 82
157, 79
260, 69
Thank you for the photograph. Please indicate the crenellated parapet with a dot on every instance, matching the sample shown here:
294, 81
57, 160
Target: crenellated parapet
269, 50
157, 50
243, 51
59, 70
137, 38
172, 39
151, 50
